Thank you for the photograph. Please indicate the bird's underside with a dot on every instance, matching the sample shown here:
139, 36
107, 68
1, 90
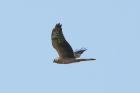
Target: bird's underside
72, 60
65, 51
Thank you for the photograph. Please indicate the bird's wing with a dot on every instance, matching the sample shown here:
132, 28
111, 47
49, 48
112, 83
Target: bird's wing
60, 44
78, 53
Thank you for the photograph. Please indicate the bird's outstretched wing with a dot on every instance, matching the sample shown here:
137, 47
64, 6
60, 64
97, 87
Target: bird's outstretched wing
78, 53
60, 44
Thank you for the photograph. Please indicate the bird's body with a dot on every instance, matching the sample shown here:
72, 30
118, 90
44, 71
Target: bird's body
65, 51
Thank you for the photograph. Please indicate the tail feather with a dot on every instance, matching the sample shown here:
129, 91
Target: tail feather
85, 59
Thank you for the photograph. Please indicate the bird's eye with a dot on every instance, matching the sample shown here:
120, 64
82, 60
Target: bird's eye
54, 60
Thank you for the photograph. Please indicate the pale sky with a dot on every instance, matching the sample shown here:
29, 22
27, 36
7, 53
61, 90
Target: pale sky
109, 29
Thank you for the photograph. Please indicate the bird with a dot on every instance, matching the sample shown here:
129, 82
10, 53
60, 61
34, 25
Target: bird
64, 49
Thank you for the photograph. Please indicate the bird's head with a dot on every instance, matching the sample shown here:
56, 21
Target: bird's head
56, 60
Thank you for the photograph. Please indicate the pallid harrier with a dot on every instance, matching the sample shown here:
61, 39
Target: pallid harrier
65, 51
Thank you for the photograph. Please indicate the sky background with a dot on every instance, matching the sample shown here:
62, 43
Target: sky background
109, 29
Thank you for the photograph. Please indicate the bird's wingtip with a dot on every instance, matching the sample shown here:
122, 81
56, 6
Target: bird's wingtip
58, 25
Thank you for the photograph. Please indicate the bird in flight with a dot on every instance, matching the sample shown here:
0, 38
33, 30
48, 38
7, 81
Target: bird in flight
65, 51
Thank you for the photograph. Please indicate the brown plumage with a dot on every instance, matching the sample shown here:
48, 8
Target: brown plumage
65, 51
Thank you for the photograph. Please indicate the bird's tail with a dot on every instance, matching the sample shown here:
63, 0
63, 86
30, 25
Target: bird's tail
78, 53
85, 59
77, 60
